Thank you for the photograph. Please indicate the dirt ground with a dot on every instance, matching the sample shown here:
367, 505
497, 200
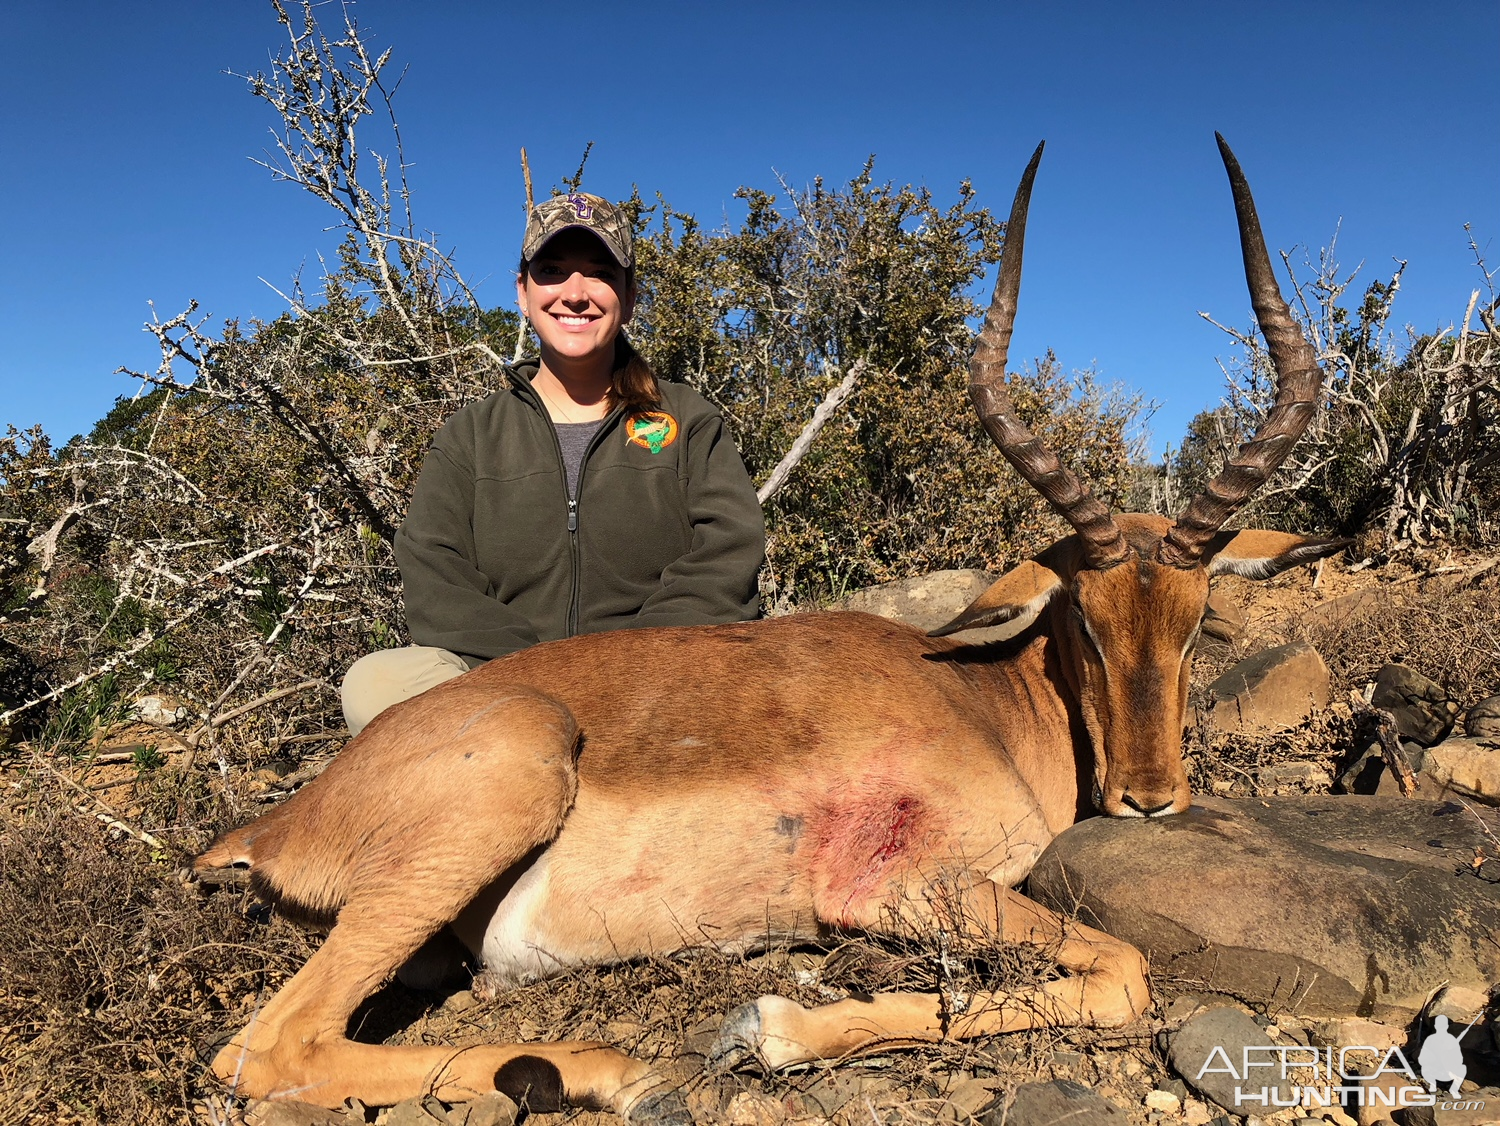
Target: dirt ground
117, 974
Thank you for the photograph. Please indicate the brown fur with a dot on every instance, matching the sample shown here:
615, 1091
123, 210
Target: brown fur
802, 774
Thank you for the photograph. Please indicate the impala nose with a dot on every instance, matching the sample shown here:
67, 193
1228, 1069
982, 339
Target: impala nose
1142, 808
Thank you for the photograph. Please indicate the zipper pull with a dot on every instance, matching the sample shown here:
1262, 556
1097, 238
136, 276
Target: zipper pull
572, 516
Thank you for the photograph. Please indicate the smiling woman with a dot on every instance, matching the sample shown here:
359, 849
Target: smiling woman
587, 495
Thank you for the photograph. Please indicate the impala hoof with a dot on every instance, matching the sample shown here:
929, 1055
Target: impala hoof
739, 1039
662, 1108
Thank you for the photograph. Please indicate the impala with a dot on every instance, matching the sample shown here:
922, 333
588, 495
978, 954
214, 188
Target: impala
622, 794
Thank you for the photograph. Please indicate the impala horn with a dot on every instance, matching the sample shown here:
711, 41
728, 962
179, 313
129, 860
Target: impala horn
1103, 544
1298, 381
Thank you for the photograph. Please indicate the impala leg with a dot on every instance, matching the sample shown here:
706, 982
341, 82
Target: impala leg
1106, 987
402, 834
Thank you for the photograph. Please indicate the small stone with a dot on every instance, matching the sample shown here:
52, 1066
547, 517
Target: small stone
493, 1109
700, 1037
1224, 619
752, 1108
1197, 1112
1221, 786
1164, 1101
1483, 720
1058, 1103
289, 1113
460, 1002
966, 1100
1173, 1087
415, 1112
1300, 775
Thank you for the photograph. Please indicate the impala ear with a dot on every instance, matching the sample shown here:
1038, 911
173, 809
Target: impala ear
1257, 554
1018, 594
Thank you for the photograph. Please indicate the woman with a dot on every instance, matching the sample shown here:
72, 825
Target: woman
586, 496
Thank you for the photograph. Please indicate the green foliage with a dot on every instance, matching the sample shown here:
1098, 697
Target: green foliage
766, 319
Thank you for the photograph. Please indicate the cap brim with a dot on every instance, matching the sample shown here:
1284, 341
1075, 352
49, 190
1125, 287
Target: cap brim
614, 251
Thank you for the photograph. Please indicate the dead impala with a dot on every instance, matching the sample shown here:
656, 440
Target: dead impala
614, 795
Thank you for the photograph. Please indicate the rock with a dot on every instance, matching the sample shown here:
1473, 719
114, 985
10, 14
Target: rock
289, 1113
1344, 609
967, 1100
1276, 688
1164, 1101
699, 1038
1304, 775
1483, 720
162, 711
1058, 1103
1195, 1112
425, 1111
1204, 1049
1369, 773
1351, 1032
1423, 711
929, 601
751, 1108
493, 1109
1224, 619
1470, 766
1326, 906
1459, 1004
1472, 1108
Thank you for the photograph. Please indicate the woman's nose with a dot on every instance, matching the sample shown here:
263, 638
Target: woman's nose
574, 288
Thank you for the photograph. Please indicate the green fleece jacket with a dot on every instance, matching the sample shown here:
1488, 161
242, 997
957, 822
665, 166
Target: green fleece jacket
666, 530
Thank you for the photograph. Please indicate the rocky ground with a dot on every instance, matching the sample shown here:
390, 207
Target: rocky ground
1335, 887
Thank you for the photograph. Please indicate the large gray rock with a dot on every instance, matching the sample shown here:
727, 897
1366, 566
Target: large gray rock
930, 601
1483, 720
1276, 688
1422, 709
1327, 906
1058, 1103
1211, 1042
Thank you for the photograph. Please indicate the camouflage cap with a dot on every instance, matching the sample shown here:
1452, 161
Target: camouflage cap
584, 211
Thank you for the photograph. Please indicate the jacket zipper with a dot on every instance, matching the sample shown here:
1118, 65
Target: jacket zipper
573, 515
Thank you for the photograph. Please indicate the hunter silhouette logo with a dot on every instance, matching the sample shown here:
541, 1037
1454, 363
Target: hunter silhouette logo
1442, 1059
651, 430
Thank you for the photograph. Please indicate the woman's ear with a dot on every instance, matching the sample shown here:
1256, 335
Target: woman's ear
521, 293
627, 303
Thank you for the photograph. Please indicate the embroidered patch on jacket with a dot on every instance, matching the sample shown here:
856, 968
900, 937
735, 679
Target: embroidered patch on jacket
652, 430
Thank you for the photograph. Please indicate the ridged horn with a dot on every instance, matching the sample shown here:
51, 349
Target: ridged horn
1103, 544
1298, 381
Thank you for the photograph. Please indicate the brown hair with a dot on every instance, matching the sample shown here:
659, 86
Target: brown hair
634, 386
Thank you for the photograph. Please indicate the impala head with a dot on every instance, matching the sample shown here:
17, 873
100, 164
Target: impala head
1127, 593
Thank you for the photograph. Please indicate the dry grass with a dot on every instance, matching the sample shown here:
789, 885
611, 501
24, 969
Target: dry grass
112, 970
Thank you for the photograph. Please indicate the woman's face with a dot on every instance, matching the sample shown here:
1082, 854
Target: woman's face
576, 296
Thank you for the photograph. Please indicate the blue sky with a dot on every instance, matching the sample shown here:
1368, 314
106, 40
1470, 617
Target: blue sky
128, 175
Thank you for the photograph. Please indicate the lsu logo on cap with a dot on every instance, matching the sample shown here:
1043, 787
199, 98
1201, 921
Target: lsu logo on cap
651, 430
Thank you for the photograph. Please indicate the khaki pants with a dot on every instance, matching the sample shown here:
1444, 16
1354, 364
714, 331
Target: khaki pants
388, 676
